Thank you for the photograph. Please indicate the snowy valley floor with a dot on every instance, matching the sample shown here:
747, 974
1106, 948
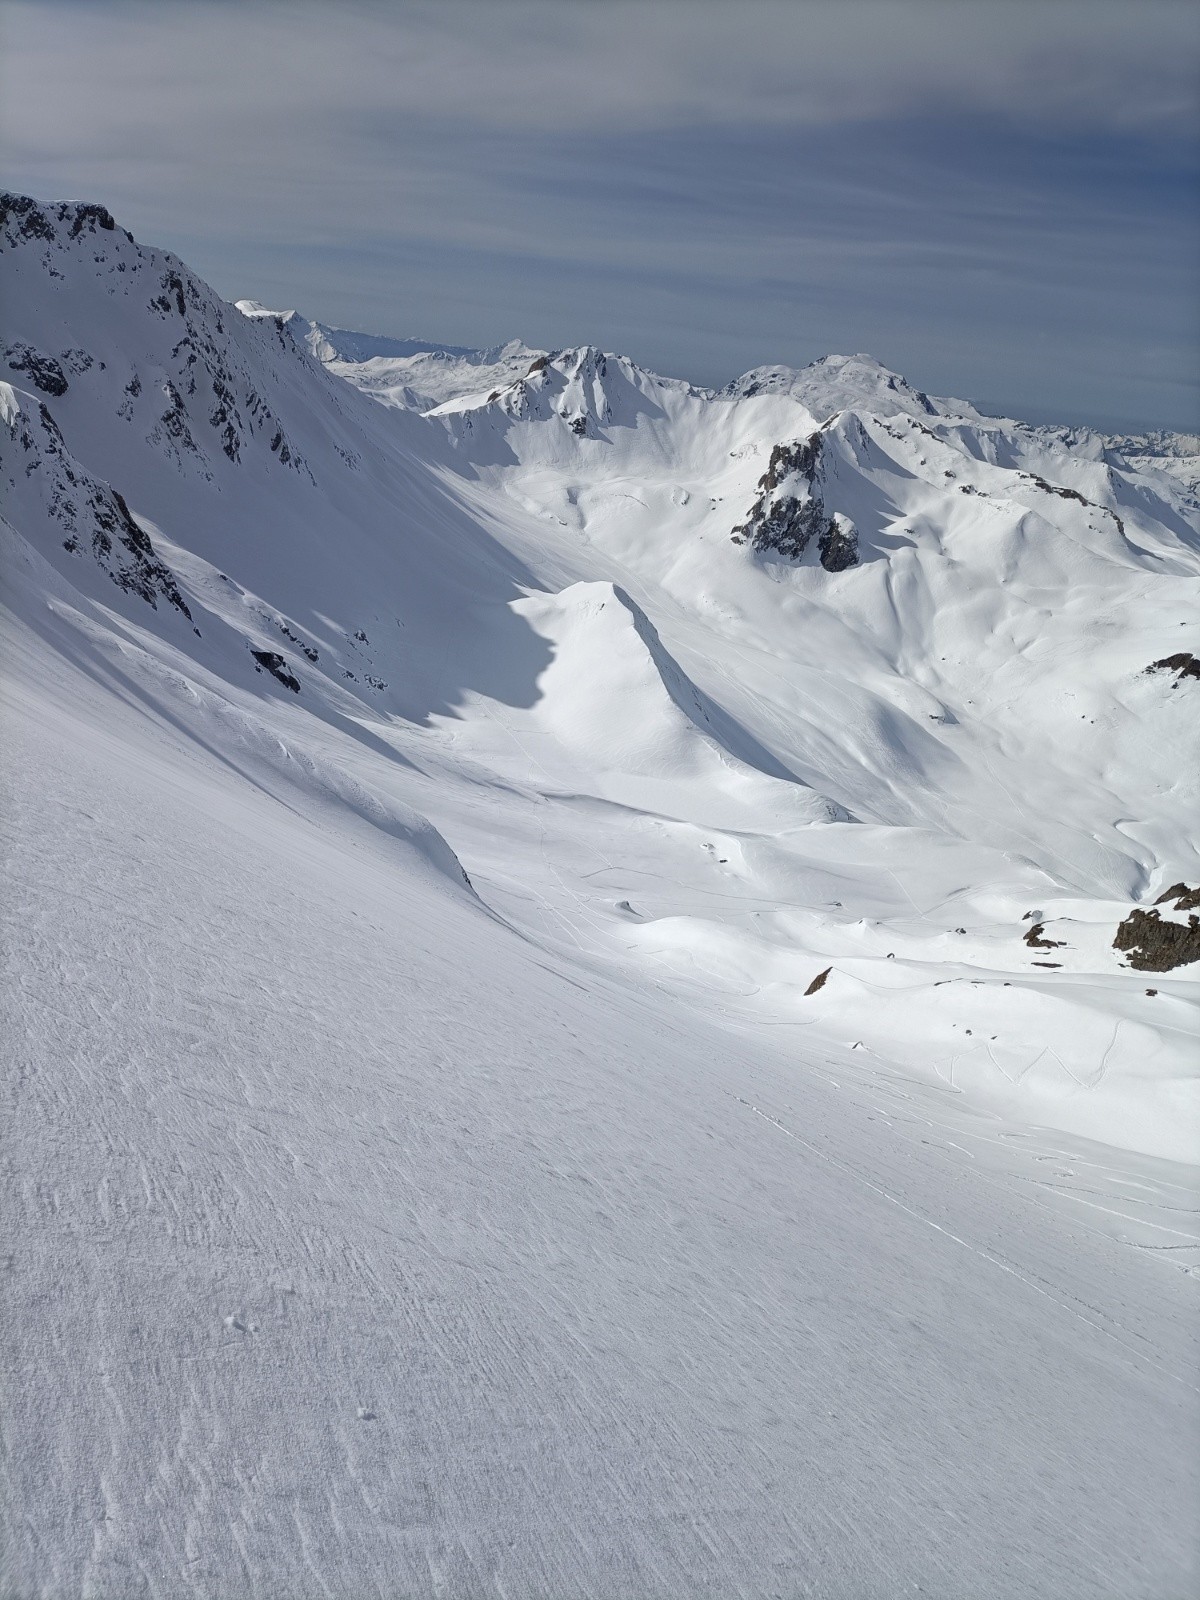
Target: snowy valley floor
359, 1245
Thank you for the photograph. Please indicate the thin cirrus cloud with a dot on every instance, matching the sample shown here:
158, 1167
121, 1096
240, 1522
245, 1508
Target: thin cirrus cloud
998, 198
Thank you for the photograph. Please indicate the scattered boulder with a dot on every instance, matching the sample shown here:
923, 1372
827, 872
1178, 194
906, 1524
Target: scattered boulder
818, 982
1035, 941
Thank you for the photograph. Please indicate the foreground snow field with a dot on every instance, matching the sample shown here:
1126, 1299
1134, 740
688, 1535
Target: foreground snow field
381, 1227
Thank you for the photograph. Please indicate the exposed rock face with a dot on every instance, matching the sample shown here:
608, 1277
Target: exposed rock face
1184, 665
272, 662
139, 569
789, 511
1155, 944
206, 380
839, 546
44, 372
1185, 899
88, 511
26, 218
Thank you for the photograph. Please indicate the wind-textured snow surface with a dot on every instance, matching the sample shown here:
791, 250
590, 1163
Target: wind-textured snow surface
564, 1032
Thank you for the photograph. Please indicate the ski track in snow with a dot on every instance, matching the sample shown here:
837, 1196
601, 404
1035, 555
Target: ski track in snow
348, 1267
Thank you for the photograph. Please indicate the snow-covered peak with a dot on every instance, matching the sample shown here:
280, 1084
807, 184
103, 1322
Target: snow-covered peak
26, 220
412, 374
842, 383
256, 311
585, 389
345, 345
587, 362
124, 335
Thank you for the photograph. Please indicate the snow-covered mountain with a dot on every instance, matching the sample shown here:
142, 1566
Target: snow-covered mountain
444, 798
412, 373
839, 383
935, 633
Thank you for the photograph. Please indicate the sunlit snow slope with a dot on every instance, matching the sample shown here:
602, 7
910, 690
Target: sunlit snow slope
559, 954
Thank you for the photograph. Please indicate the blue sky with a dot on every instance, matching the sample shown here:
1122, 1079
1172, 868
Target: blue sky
997, 198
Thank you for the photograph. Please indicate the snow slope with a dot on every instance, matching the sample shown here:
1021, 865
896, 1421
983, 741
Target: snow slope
432, 1168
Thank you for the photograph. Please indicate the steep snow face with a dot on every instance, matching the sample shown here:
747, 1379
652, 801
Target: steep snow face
383, 1251
105, 320
619, 719
288, 509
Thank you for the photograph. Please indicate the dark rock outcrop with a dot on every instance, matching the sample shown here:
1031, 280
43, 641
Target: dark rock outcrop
784, 521
86, 511
25, 218
44, 372
271, 661
140, 571
1153, 943
839, 547
1185, 899
1074, 494
1183, 665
